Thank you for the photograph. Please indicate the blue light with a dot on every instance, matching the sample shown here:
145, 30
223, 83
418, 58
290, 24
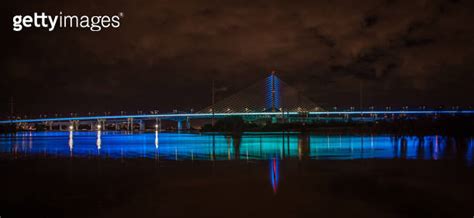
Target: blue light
220, 115
274, 174
251, 146
277, 92
272, 94
470, 153
268, 93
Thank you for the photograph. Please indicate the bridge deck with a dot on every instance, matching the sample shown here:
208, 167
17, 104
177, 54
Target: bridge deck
175, 116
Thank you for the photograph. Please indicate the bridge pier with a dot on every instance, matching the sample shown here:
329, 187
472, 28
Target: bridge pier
129, 124
180, 125
49, 125
188, 123
74, 124
157, 125
102, 123
141, 125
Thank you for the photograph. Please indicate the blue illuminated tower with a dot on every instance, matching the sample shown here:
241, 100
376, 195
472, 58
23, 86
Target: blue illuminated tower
272, 93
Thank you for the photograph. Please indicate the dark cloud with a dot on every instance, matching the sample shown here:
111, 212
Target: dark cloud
370, 20
166, 53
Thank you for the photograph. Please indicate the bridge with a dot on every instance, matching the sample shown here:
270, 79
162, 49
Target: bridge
270, 99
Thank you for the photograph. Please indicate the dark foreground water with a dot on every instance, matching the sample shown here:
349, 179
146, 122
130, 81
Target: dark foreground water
112, 174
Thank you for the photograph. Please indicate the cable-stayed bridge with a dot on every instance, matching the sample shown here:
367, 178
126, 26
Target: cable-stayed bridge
270, 98
268, 95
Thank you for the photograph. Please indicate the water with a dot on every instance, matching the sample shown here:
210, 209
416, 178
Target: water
254, 174
248, 146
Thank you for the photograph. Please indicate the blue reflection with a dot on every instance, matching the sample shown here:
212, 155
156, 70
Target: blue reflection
247, 146
274, 174
470, 153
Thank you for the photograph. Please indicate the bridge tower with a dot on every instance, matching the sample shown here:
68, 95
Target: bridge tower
268, 95
273, 93
273, 90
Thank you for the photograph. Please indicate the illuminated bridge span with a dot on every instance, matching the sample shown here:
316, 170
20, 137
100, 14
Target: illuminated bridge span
174, 116
269, 99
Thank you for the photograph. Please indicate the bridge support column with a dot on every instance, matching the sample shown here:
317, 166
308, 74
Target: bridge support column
74, 124
180, 125
158, 125
188, 123
49, 125
102, 123
141, 125
130, 124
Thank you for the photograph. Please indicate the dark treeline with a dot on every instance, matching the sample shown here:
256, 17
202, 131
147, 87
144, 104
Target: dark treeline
455, 126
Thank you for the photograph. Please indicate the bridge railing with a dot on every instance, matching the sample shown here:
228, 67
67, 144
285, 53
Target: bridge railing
172, 116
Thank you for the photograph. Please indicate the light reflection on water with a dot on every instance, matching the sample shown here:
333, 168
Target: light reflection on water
274, 174
248, 146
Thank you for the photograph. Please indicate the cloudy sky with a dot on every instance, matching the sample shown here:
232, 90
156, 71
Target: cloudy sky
166, 53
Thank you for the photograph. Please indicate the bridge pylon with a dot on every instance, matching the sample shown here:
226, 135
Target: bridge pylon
268, 95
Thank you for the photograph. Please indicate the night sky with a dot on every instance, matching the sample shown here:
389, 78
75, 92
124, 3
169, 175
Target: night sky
165, 53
